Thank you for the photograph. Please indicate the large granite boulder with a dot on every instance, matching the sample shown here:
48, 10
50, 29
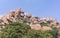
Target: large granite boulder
35, 26
46, 28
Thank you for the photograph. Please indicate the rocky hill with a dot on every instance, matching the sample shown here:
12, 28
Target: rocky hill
36, 23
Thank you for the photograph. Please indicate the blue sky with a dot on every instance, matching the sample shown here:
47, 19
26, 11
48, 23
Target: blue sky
40, 8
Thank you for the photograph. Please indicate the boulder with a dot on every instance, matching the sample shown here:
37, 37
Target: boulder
12, 13
4, 18
35, 22
29, 15
11, 19
20, 10
35, 26
22, 14
46, 28
19, 13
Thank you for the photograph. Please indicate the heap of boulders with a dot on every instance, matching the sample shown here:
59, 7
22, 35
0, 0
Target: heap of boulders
34, 22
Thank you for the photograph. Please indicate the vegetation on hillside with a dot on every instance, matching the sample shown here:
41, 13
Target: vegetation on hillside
22, 30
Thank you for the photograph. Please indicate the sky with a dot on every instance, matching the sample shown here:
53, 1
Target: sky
40, 8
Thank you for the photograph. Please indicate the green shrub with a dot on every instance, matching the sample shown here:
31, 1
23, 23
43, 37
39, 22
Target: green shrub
22, 30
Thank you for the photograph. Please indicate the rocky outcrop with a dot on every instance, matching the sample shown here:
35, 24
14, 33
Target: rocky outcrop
36, 23
33, 21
